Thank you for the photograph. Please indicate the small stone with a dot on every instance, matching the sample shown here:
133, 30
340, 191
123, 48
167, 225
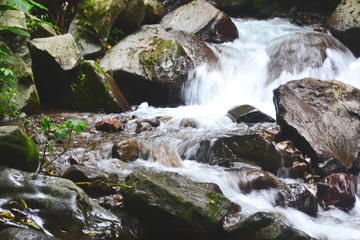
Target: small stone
186, 122
298, 170
109, 125
126, 150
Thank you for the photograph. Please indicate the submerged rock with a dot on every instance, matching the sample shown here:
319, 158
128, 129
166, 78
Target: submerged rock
340, 193
17, 150
264, 226
345, 24
203, 19
248, 114
322, 118
57, 206
299, 197
295, 52
181, 207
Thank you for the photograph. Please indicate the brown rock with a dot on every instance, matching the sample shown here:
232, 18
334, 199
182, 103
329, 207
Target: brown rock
298, 170
339, 191
256, 179
126, 150
109, 125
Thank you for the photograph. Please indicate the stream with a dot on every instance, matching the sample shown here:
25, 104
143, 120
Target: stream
242, 78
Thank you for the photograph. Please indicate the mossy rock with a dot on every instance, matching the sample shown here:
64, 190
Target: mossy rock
94, 90
155, 10
132, 16
17, 150
180, 206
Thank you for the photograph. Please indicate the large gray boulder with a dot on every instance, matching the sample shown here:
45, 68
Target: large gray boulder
92, 24
345, 24
181, 207
54, 58
203, 19
56, 206
17, 150
152, 64
27, 98
322, 118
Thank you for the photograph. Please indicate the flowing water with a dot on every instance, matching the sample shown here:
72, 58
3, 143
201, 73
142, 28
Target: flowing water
241, 78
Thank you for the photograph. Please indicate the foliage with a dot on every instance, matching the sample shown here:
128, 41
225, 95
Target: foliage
115, 35
60, 132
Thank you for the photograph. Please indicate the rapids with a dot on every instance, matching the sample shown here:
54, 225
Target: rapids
240, 78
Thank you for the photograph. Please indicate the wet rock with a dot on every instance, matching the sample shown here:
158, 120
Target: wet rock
155, 10
203, 19
109, 125
299, 197
285, 55
345, 24
248, 114
132, 16
298, 169
166, 156
21, 234
143, 126
54, 58
152, 64
181, 207
322, 118
114, 202
187, 122
92, 24
126, 150
17, 150
64, 209
240, 148
256, 179
27, 99
94, 90
264, 226
339, 191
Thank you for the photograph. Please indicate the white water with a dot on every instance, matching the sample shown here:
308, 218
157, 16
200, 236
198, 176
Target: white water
241, 79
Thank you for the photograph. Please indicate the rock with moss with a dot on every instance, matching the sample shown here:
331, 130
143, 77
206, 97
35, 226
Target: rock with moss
37, 29
181, 207
203, 19
56, 206
94, 90
27, 98
93, 23
264, 226
17, 150
345, 24
54, 59
152, 64
132, 16
155, 10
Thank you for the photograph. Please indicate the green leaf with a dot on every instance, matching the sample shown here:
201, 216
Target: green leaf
6, 60
22, 5
18, 31
77, 124
45, 125
5, 51
38, 5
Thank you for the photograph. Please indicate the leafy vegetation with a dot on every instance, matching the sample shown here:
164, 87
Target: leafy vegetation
59, 132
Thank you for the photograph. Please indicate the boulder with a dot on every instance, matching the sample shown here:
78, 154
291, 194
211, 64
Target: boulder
56, 206
340, 191
152, 64
249, 147
250, 179
93, 90
299, 197
126, 150
131, 18
264, 226
345, 24
181, 207
17, 150
109, 125
54, 58
173, 4
27, 99
285, 55
203, 19
21, 234
322, 118
248, 114
155, 10
93, 23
